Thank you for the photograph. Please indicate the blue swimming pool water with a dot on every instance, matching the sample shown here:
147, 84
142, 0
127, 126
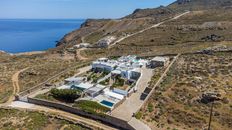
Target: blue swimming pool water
104, 102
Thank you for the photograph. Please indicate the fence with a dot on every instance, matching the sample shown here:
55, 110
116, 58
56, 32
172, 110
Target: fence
106, 119
39, 86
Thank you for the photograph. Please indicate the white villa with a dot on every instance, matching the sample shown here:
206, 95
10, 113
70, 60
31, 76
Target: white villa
106, 41
128, 67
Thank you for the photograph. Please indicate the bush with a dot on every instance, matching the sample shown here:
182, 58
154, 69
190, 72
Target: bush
67, 95
150, 107
118, 82
138, 115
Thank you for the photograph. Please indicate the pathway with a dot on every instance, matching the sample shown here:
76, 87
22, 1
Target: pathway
28, 106
162, 77
78, 54
141, 31
42, 91
133, 103
16, 87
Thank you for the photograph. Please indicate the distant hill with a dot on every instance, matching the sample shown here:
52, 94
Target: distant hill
153, 12
181, 5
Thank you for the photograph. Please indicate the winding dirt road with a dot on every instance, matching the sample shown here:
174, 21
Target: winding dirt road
79, 56
15, 83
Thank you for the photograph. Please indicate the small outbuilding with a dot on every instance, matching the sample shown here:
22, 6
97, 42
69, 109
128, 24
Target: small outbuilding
82, 86
82, 45
74, 80
159, 62
105, 42
95, 91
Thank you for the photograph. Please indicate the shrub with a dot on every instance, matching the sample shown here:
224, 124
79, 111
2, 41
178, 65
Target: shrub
67, 95
150, 107
138, 115
118, 82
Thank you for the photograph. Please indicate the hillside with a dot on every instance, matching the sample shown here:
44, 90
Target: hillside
94, 29
176, 102
181, 5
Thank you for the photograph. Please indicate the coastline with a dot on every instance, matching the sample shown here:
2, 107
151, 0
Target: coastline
23, 53
28, 53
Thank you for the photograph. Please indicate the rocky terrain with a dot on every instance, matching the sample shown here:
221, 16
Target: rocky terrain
93, 30
12, 119
183, 100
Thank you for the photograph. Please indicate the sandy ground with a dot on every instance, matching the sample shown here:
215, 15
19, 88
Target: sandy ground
28, 106
16, 88
30, 53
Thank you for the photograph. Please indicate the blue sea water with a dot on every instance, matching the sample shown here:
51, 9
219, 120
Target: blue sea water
24, 35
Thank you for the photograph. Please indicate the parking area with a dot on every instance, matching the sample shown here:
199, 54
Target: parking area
126, 110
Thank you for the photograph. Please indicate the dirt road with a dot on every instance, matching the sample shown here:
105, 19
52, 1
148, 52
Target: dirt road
153, 26
79, 56
23, 105
15, 83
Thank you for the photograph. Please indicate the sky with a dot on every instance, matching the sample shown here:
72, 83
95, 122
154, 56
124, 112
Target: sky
73, 9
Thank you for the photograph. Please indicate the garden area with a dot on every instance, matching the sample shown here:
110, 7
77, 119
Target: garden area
93, 77
61, 95
105, 82
121, 83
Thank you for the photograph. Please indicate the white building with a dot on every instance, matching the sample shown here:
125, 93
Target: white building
95, 90
127, 73
159, 62
103, 66
105, 42
74, 80
82, 45
82, 86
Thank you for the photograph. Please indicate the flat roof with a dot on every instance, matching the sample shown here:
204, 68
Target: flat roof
84, 85
116, 72
105, 63
159, 58
64, 87
71, 79
113, 94
96, 88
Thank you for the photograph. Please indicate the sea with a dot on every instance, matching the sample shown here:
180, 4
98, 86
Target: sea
26, 35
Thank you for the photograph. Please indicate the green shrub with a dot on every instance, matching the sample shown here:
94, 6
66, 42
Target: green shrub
138, 115
67, 95
150, 107
118, 82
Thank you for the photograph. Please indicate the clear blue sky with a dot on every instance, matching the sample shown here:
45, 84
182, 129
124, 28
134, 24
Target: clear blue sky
51, 9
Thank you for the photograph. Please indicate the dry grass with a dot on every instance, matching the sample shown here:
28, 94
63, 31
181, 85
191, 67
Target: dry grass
11, 119
176, 102
41, 67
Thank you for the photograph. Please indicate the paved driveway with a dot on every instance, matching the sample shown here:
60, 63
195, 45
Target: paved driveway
133, 103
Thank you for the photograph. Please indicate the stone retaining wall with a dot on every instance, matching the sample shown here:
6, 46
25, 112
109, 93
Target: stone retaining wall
105, 119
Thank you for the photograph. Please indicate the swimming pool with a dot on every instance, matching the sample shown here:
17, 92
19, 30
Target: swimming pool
109, 104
